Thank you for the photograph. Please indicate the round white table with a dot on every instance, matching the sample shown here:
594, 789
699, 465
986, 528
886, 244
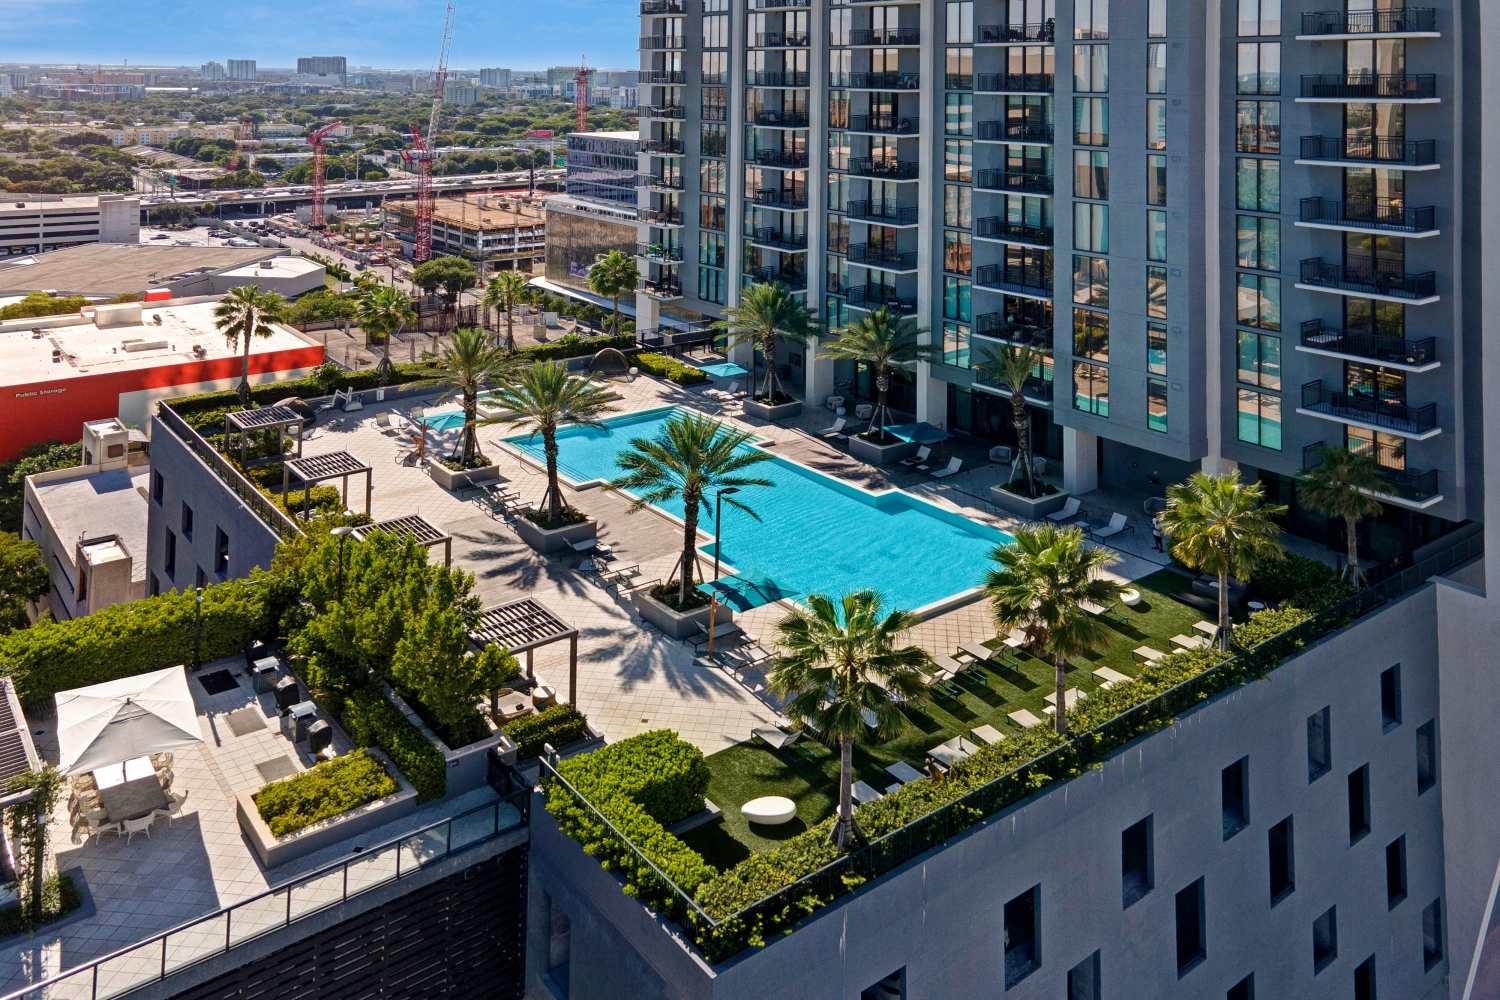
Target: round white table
769, 810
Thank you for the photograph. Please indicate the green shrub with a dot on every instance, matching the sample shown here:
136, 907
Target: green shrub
574, 346
134, 638
371, 720
558, 725
42, 304
332, 788
1290, 577
658, 769
668, 368
1268, 623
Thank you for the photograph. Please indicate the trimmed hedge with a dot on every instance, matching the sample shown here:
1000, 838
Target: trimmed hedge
558, 725
658, 769
371, 720
329, 789
668, 368
127, 639
1291, 577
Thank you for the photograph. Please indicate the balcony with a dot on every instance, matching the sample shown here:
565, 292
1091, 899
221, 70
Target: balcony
656, 183
781, 200
772, 276
777, 78
1399, 22
712, 146
885, 81
780, 40
775, 4
901, 261
1016, 83
889, 170
1004, 230
1380, 216
867, 298
882, 125
1405, 88
958, 81
884, 215
1021, 132
780, 119
659, 253
884, 37
780, 241
1014, 181
663, 7
1026, 281
782, 159
662, 291
1366, 278
1319, 337
669, 111
1387, 154
1015, 34
1036, 390
1415, 422
662, 217
662, 43
659, 78
1402, 485
997, 327
662, 147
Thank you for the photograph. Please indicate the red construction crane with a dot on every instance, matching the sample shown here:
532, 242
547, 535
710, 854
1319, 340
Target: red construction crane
316, 141
421, 155
581, 92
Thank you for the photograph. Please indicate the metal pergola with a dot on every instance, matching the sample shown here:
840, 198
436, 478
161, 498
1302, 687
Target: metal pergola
265, 418
413, 526
522, 627
315, 469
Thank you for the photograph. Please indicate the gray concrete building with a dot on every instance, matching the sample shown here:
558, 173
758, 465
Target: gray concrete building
602, 166
36, 223
241, 69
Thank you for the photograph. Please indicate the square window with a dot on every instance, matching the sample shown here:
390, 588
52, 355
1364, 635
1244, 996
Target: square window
1395, 872
1359, 803
892, 987
1242, 990
158, 486
1432, 934
1083, 980
1325, 939
1319, 745
1234, 784
1364, 979
1022, 936
187, 522
1283, 863
1390, 697
1137, 863
1427, 761
1192, 936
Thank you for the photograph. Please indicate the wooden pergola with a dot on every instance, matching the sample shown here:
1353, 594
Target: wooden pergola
522, 627
413, 526
276, 417
315, 469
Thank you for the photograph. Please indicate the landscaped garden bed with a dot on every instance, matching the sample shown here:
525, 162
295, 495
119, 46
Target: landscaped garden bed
322, 792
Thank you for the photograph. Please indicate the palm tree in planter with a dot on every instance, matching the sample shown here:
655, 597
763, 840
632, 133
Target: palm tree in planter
384, 312
1222, 526
1340, 485
543, 397
469, 364
1013, 368
766, 316
243, 315
612, 276
503, 294
837, 662
693, 459
1039, 584
888, 346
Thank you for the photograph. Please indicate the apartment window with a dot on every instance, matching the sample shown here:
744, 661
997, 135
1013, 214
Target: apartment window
1091, 69
1325, 939
1390, 697
892, 987
1259, 419
958, 160
1259, 68
1283, 862
1259, 359
158, 486
1083, 980
958, 254
1091, 121
1192, 935
1091, 388
1432, 934
1091, 334
1234, 787
1090, 18
1156, 348
1091, 227
956, 345
1156, 179
1242, 990
221, 552
1156, 234
187, 522
557, 967
1364, 979
1258, 242
1258, 301
1156, 405
958, 299
958, 206
1427, 763
1156, 292
1257, 126
1091, 281
1091, 173
960, 22
958, 114
1156, 123
1359, 803
1137, 862
1156, 68
1261, 17
169, 554
711, 285
1257, 185
1023, 954
1395, 872
1156, 19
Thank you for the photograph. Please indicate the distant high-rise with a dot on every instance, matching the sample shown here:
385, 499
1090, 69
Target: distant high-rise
494, 78
242, 69
323, 66
212, 70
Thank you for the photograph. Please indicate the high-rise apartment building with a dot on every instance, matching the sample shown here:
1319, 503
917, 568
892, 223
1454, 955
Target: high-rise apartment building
323, 66
493, 77
213, 70
241, 69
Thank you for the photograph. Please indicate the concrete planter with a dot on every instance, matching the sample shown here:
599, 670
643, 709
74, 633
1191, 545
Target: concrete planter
771, 414
880, 454
1031, 510
453, 481
678, 624
468, 765
549, 540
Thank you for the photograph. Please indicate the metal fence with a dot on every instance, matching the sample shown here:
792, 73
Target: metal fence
272, 516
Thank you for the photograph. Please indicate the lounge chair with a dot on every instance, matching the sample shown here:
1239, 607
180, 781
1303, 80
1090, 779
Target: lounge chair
1071, 697
1117, 525
951, 469
383, 421
864, 793
987, 734
1024, 718
1110, 676
776, 737
1069, 511
836, 432
978, 650
920, 459
903, 772
1148, 654
1002, 454
1191, 641
407, 458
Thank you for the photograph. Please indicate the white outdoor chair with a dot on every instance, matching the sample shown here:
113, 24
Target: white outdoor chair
951, 469
921, 458
173, 808
1069, 511
1115, 526
836, 432
1001, 454
140, 825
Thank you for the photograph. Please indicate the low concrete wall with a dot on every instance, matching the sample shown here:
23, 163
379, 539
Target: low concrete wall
468, 767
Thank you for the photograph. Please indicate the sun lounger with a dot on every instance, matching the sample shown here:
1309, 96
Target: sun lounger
1110, 676
836, 432
1072, 695
383, 421
903, 772
1207, 628
776, 737
987, 734
945, 755
1069, 510
1024, 718
1014, 639
724, 632
1117, 525
864, 793
978, 650
951, 469
919, 460
1191, 641
1092, 608
1148, 654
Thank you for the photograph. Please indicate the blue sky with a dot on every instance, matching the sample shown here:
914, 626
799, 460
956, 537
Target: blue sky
397, 34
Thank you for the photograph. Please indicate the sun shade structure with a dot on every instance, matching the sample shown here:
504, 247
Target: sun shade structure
276, 418
522, 627
116, 721
413, 526
315, 469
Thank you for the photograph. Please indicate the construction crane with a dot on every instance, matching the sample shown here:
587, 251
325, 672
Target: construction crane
581, 92
316, 140
421, 154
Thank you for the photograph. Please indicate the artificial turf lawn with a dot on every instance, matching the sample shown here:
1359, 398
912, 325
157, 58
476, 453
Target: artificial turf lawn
807, 772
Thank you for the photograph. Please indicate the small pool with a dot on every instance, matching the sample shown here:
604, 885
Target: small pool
723, 369
815, 534
444, 421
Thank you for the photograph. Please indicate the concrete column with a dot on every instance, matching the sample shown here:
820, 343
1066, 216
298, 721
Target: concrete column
818, 375
932, 397
1080, 461
647, 312
1218, 465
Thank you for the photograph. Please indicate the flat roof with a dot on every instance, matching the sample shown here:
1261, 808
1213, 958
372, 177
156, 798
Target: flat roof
113, 268
31, 203
285, 266
631, 136
93, 505
185, 335
486, 212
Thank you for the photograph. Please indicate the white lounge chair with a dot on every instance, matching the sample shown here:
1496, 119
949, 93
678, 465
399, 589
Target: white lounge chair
864, 792
1110, 676
1024, 718
1069, 511
951, 469
987, 734
383, 421
1116, 525
1001, 454
919, 460
836, 432
776, 737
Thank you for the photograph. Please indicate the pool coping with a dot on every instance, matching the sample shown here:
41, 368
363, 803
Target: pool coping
930, 610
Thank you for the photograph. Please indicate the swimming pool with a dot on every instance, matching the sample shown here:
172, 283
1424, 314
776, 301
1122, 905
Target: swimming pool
815, 534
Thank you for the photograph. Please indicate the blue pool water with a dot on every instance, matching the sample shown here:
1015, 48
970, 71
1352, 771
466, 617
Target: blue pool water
815, 534
723, 369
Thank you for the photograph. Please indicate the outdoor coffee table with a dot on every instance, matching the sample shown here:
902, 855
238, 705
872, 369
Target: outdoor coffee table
769, 810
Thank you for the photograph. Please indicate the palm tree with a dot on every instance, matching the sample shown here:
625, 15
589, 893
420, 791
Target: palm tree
242, 315
469, 364
1014, 368
1340, 486
886, 345
839, 661
1220, 525
1040, 584
543, 397
612, 276
692, 457
383, 312
765, 316
503, 293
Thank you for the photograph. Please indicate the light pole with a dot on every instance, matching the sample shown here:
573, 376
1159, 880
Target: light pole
719, 521
197, 627
342, 533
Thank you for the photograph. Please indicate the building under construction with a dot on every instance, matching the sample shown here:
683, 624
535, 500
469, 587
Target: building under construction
494, 231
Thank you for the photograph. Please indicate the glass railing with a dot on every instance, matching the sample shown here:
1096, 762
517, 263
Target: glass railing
1026, 83
1392, 21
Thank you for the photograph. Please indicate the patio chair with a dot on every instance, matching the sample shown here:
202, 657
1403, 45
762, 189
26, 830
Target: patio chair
173, 808
383, 421
1117, 525
836, 432
1001, 454
776, 737
978, 650
407, 458
141, 824
951, 469
920, 459
1069, 511
98, 826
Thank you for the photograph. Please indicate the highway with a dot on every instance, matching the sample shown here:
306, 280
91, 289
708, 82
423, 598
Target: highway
347, 194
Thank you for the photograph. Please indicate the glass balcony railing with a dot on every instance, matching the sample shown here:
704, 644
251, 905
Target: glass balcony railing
663, 6
1019, 83
1022, 181
1392, 21
1375, 150
779, 199
1364, 276
777, 78
1014, 131
662, 289
1370, 86
780, 40
780, 119
867, 37
883, 124
662, 183
662, 77
779, 240
670, 111
999, 327
1363, 409
1322, 336
771, 276
661, 253
885, 81
999, 228
790, 159
662, 146
1037, 31
868, 298
889, 215
896, 260
864, 166
661, 43
1379, 214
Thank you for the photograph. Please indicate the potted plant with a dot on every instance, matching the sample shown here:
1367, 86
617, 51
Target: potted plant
888, 346
766, 316
1031, 498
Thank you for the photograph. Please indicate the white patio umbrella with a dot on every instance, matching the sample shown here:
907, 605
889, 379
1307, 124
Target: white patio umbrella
119, 720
